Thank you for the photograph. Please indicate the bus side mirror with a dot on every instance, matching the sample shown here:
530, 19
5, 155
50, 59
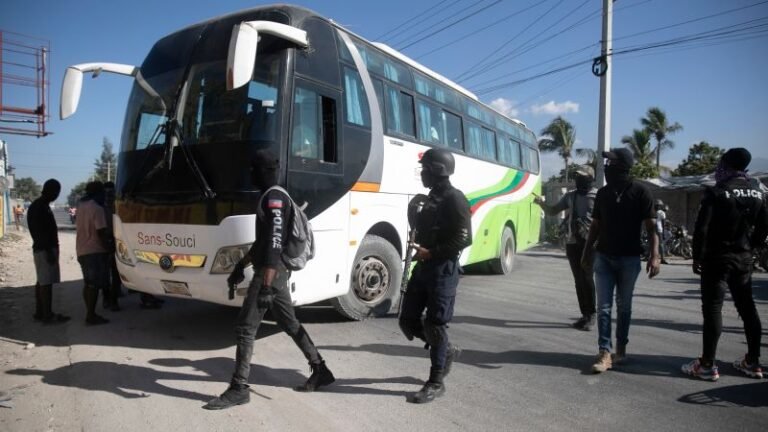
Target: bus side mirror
241, 55
70, 92
73, 82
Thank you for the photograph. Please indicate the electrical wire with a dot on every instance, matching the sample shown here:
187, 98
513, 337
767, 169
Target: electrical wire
482, 29
447, 26
722, 33
594, 14
413, 18
419, 28
480, 63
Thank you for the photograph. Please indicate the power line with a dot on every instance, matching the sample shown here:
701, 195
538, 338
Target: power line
509, 56
499, 62
420, 29
447, 26
713, 34
507, 42
413, 18
482, 29
690, 21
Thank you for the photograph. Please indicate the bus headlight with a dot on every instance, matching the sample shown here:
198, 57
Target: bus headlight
227, 257
122, 253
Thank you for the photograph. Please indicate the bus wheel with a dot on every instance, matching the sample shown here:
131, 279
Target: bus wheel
374, 283
503, 264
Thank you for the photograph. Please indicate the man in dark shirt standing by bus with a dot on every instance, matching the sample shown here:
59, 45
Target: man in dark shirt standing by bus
732, 221
45, 249
268, 289
579, 203
622, 207
443, 230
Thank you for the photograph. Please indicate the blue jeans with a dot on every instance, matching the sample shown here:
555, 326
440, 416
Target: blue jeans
619, 272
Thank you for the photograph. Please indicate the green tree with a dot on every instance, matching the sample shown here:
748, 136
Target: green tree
559, 136
25, 188
106, 165
656, 122
76, 193
639, 143
702, 159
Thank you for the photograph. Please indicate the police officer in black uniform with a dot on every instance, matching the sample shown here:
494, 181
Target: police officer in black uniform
732, 220
443, 230
268, 289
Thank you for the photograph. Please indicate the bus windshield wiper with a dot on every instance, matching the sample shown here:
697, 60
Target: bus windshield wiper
174, 127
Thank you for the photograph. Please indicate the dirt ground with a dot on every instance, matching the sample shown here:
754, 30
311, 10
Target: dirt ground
17, 279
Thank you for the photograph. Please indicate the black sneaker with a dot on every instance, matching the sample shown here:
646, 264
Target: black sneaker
589, 323
236, 394
428, 393
321, 376
579, 323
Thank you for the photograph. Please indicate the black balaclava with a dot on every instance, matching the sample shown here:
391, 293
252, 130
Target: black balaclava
616, 175
264, 168
51, 190
583, 184
430, 180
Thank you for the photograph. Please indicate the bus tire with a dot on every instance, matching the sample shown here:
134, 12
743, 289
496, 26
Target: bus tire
506, 260
374, 283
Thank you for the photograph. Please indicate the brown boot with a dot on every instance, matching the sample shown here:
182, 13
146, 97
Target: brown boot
603, 362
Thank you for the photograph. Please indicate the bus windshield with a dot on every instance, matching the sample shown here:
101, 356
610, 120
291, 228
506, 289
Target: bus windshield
211, 114
218, 129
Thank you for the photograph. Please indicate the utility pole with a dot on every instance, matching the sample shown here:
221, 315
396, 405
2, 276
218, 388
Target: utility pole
604, 123
109, 170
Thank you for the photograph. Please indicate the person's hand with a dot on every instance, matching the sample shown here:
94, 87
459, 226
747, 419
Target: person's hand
236, 276
266, 297
696, 267
538, 200
587, 259
50, 256
422, 253
653, 266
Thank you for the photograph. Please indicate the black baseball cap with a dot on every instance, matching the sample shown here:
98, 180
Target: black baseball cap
737, 158
620, 157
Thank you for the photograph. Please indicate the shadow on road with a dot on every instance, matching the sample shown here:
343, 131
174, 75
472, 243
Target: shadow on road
181, 324
684, 295
636, 364
131, 382
754, 395
495, 322
680, 326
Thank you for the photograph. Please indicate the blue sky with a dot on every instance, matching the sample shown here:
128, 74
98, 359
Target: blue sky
717, 92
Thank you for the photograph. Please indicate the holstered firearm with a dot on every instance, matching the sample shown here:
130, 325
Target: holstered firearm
414, 208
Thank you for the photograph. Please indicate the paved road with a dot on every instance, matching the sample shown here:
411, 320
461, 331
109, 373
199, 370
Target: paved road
522, 369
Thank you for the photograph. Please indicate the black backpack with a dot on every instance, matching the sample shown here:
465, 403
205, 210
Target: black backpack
300, 243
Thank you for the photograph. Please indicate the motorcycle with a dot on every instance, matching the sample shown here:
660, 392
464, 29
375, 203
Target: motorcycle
679, 243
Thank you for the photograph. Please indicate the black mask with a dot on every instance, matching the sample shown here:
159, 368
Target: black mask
616, 175
583, 184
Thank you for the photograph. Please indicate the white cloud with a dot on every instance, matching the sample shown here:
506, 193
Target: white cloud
555, 108
505, 106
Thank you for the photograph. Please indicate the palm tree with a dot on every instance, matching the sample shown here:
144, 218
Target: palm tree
639, 143
590, 155
656, 122
559, 136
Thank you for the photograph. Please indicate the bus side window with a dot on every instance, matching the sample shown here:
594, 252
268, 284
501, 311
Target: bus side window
430, 124
509, 152
314, 127
400, 118
453, 134
356, 102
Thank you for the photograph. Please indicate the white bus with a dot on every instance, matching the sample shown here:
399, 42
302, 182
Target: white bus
350, 120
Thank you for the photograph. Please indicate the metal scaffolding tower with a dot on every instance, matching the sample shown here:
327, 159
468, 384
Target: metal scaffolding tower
24, 84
